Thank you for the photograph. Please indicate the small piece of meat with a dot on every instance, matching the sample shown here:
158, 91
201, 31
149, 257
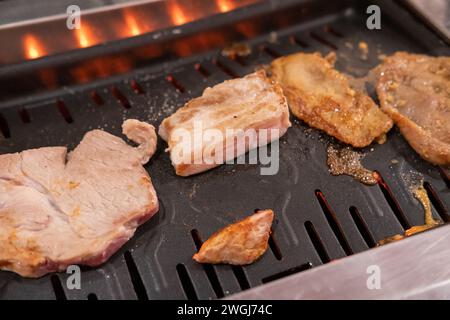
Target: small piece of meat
226, 119
59, 209
414, 90
324, 99
240, 243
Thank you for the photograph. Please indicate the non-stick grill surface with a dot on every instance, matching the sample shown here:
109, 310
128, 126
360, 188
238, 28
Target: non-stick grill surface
319, 217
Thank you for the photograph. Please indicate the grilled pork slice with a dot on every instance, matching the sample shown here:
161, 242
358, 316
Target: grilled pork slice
222, 123
240, 243
414, 91
324, 99
58, 209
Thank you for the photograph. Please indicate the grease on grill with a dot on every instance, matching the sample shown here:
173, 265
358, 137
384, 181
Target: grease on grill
363, 50
420, 193
345, 160
237, 49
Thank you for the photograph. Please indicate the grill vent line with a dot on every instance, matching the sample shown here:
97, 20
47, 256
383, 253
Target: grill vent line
186, 282
362, 227
57, 287
317, 242
333, 222
136, 279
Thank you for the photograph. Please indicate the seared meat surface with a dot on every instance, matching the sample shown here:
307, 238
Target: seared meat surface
239, 243
58, 209
414, 90
228, 110
324, 99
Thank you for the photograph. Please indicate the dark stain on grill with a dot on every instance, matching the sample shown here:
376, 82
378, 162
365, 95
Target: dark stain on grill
209, 269
202, 70
362, 227
24, 115
393, 203
219, 64
136, 279
239, 273
322, 40
274, 247
436, 202
186, 282
175, 83
296, 41
4, 127
317, 242
136, 87
291, 271
95, 96
333, 32
62, 108
271, 51
120, 97
57, 287
333, 222
92, 296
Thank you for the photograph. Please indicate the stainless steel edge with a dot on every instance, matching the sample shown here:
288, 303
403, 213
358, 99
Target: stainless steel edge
413, 268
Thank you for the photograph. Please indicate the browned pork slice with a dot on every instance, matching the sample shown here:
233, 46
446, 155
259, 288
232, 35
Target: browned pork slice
240, 243
323, 98
414, 91
222, 124
59, 209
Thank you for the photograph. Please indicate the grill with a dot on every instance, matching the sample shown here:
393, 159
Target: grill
319, 218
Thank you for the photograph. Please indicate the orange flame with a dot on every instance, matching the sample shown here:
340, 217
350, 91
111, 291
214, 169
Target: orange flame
177, 15
132, 25
33, 49
85, 37
225, 5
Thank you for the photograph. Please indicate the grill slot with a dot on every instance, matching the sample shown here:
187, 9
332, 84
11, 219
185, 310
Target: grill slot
24, 115
288, 272
58, 288
186, 282
445, 173
175, 83
209, 269
393, 203
239, 273
297, 41
436, 202
271, 51
136, 279
205, 73
362, 227
275, 248
120, 97
323, 41
4, 127
219, 64
136, 87
317, 242
97, 98
333, 222
62, 108
92, 296
333, 32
